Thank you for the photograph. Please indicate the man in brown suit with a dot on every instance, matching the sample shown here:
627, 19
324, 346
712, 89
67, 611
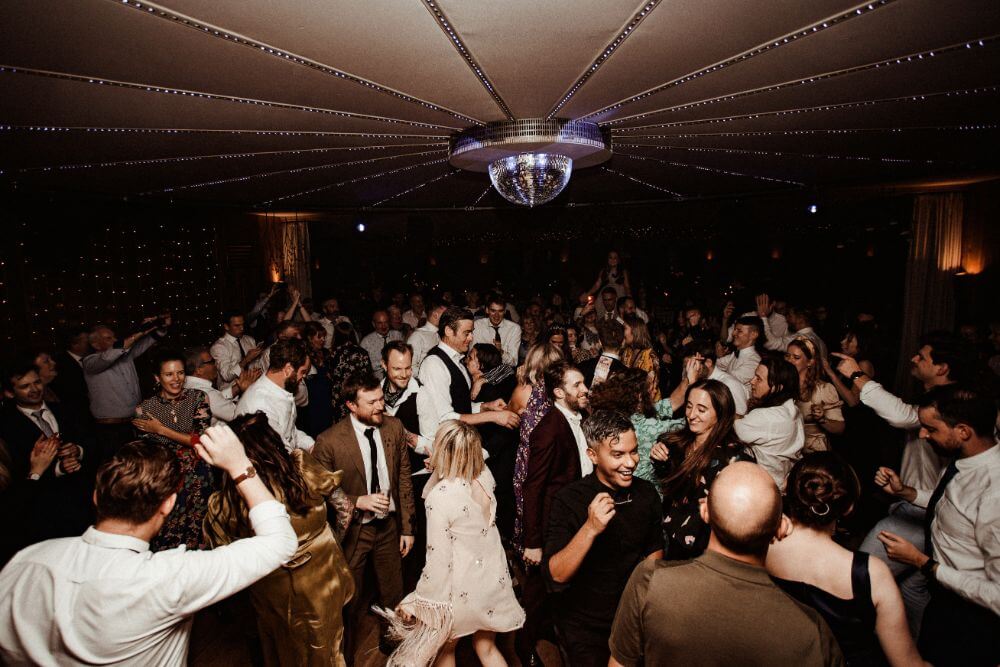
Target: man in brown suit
370, 448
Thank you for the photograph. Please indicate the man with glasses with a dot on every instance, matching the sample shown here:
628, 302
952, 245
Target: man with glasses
599, 529
201, 372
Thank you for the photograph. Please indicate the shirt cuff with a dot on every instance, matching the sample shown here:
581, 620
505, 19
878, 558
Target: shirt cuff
424, 445
866, 391
923, 497
58, 469
476, 408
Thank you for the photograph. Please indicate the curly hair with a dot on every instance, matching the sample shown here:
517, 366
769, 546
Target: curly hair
822, 487
626, 392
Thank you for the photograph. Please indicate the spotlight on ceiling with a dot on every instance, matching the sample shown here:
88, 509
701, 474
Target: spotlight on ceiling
360, 227
530, 161
813, 208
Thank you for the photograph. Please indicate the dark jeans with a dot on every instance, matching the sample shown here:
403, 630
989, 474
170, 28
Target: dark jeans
585, 644
958, 632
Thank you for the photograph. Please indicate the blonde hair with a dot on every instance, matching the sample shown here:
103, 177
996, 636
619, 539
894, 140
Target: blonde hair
458, 451
540, 356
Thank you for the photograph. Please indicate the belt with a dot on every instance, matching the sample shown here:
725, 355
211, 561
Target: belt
114, 420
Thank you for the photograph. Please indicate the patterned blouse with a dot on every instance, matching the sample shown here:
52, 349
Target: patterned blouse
188, 413
685, 532
646, 360
647, 430
538, 406
347, 360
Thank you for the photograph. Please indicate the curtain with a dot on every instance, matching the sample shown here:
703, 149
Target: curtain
285, 243
934, 258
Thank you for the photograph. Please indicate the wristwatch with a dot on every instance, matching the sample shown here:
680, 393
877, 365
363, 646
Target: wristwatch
251, 472
856, 374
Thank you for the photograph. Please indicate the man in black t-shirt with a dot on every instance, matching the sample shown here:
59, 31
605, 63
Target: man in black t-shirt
599, 528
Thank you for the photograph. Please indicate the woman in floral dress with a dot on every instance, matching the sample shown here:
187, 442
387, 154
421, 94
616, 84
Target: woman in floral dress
174, 417
688, 460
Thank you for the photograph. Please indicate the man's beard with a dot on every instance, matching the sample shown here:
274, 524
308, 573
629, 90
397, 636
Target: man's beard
754, 402
374, 419
291, 385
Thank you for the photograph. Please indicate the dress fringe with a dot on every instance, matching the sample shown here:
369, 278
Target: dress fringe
420, 640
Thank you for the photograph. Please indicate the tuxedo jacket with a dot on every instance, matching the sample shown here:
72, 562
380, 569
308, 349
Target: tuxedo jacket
337, 448
553, 462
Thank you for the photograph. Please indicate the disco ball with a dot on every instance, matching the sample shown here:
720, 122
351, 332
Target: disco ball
531, 179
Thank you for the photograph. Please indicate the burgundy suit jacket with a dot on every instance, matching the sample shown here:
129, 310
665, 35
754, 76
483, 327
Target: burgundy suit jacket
553, 462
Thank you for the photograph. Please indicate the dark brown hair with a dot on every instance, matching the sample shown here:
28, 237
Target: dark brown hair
625, 392
822, 487
135, 482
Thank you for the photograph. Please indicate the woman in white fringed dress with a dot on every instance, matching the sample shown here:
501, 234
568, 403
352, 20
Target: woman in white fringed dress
465, 588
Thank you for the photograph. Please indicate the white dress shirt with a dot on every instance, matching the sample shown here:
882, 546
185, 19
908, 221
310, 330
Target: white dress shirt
575, 420
921, 466
411, 318
279, 407
328, 324
966, 530
383, 467
736, 388
301, 390
222, 403
373, 344
422, 340
424, 442
226, 352
776, 436
105, 599
777, 322
434, 398
510, 337
741, 366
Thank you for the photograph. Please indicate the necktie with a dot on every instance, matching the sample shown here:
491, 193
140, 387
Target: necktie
42, 424
370, 434
496, 335
949, 472
243, 353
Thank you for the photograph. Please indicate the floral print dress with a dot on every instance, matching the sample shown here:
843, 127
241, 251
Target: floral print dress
685, 533
647, 430
538, 406
188, 413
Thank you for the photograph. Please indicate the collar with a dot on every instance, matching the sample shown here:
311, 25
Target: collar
452, 353
716, 374
360, 428
734, 568
27, 411
233, 338
192, 382
570, 416
273, 387
612, 355
428, 327
990, 457
76, 357
113, 541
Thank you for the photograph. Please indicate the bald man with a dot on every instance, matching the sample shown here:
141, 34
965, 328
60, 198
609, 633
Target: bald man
722, 608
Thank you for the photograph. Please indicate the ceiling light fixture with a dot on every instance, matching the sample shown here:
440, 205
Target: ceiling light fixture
530, 161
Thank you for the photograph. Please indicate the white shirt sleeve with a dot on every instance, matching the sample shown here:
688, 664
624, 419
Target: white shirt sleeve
206, 577
435, 380
980, 586
223, 407
512, 345
226, 361
889, 407
775, 341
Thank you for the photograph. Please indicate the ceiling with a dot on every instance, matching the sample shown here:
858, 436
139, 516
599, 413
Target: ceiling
334, 104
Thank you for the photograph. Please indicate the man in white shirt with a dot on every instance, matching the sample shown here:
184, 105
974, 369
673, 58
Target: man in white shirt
799, 325
773, 426
425, 337
234, 352
416, 315
496, 330
273, 395
201, 372
627, 306
742, 362
446, 383
376, 340
103, 598
329, 318
703, 352
961, 623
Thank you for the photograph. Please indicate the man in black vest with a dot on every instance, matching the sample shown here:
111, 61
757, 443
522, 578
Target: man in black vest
400, 389
445, 382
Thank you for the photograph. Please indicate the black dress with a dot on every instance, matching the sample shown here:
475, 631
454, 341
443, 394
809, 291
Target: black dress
501, 444
852, 621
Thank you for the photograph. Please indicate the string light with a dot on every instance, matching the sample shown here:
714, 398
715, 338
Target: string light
350, 182
170, 130
673, 194
711, 169
608, 50
297, 170
854, 130
220, 156
746, 151
266, 49
888, 62
4, 69
456, 41
482, 195
824, 107
415, 187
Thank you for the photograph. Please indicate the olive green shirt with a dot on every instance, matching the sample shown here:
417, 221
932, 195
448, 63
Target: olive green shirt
714, 610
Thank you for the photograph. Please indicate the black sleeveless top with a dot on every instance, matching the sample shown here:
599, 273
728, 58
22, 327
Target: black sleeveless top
852, 621
459, 389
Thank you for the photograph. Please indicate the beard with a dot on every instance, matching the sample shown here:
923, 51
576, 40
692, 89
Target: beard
373, 419
291, 385
754, 402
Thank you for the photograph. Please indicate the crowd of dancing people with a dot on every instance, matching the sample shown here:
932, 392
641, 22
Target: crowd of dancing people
473, 473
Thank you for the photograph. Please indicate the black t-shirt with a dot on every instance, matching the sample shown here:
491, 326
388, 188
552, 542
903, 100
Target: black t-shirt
590, 598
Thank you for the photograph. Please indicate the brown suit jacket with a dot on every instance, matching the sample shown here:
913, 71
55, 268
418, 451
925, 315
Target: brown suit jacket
337, 448
553, 462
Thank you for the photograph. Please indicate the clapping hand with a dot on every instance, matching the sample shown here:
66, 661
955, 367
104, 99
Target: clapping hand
42, 454
764, 305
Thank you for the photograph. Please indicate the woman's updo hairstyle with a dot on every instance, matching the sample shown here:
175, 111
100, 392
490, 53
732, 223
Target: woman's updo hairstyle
821, 489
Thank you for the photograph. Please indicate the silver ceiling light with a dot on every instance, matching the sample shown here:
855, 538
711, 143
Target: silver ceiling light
530, 161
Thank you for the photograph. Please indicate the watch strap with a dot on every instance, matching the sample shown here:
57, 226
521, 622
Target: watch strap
250, 472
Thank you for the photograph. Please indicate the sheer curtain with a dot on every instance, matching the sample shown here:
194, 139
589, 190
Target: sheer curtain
285, 241
935, 255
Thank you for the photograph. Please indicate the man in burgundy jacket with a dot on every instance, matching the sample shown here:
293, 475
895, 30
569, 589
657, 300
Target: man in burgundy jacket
557, 455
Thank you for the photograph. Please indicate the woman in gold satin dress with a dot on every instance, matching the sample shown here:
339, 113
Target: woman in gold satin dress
299, 606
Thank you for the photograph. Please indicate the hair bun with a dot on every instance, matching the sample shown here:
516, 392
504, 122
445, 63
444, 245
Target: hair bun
821, 488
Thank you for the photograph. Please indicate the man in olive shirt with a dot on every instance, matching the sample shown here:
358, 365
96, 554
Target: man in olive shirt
722, 608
